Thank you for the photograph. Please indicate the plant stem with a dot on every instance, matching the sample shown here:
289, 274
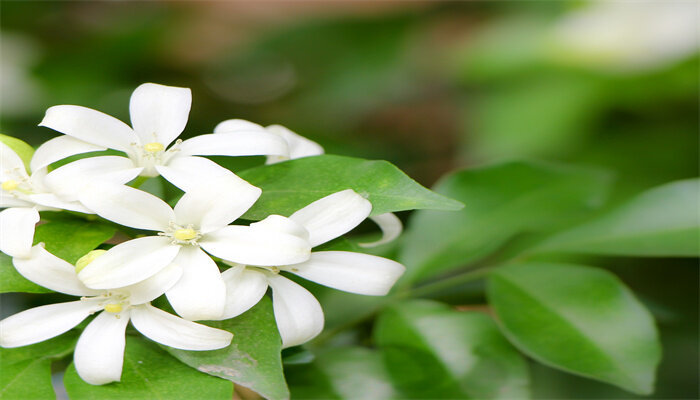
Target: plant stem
440, 285
465, 277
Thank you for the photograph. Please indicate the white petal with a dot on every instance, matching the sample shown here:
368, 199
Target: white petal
17, 230
49, 271
41, 323
201, 293
244, 143
255, 246
333, 215
159, 113
59, 148
352, 272
150, 289
90, 126
70, 180
299, 146
391, 228
128, 206
215, 202
298, 314
244, 289
8, 200
129, 262
99, 354
176, 332
186, 172
278, 223
10, 162
236, 125
52, 201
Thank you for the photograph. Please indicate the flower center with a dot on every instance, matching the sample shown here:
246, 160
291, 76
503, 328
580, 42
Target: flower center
185, 234
85, 260
10, 185
181, 234
154, 147
113, 308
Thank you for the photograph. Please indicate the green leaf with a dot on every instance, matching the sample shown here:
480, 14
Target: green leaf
579, 319
72, 238
433, 351
291, 185
252, 360
28, 379
26, 371
150, 373
664, 221
12, 281
501, 201
342, 373
23, 150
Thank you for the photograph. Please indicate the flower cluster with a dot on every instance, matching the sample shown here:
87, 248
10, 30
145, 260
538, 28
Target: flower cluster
189, 243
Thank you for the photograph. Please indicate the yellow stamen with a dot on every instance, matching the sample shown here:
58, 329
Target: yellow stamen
185, 234
154, 147
113, 308
87, 259
9, 185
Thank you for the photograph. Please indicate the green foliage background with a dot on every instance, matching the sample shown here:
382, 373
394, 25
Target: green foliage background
432, 88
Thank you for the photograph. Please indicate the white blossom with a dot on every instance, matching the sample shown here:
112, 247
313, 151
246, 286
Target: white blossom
298, 314
99, 354
199, 222
24, 194
158, 115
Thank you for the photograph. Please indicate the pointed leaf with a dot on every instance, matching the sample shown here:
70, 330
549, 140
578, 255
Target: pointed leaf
252, 360
501, 200
664, 221
342, 373
433, 351
579, 319
150, 373
291, 185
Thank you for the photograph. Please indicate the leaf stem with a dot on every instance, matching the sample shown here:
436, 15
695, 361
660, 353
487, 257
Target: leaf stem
447, 283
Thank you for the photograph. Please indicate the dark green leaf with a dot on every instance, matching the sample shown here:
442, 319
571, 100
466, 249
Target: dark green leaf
579, 319
342, 373
150, 373
433, 351
292, 185
664, 221
500, 201
252, 360
72, 238
23, 150
25, 372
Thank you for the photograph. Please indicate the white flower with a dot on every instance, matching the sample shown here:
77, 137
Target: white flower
629, 35
24, 194
158, 115
199, 221
298, 314
99, 354
300, 147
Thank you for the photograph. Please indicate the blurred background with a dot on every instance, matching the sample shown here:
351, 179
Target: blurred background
430, 86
